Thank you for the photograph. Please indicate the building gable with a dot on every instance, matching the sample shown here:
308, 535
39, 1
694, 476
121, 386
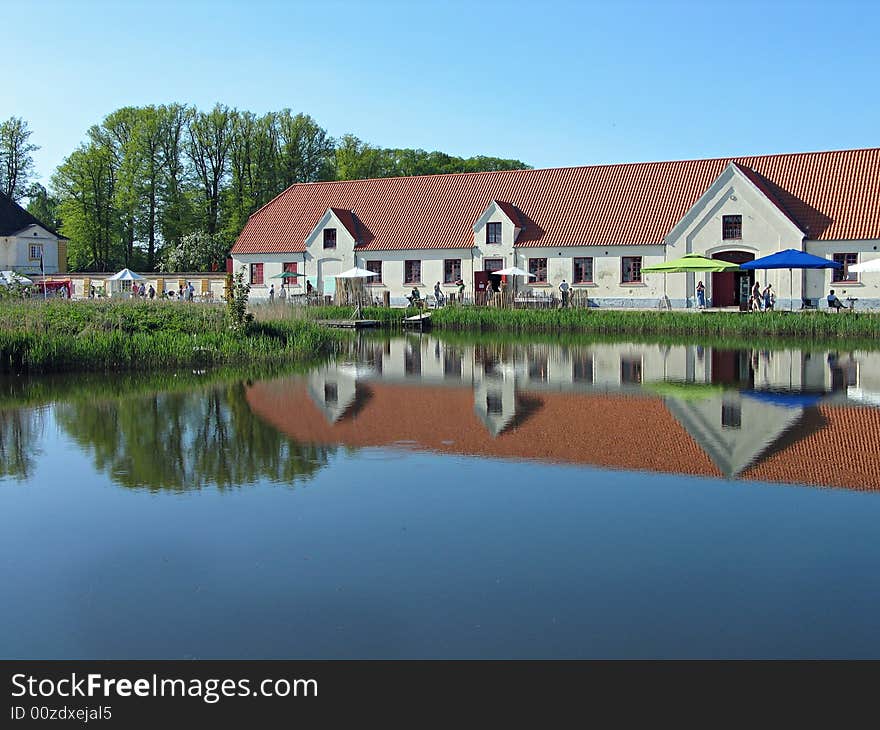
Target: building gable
734, 193
333, 218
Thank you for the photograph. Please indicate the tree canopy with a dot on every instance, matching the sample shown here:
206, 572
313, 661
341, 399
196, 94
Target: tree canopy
16, 162
153, 185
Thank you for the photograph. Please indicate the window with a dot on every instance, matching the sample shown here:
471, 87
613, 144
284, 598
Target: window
847, 259
412, 360
583, 271
376, 268
329, 238
631, 270
582, 369
538, 267
412, 272
493, 233
539, 369
731, 415
451, 271
731, 227
630, 370
451, 363
256, 273
490, 265
36, 253
290, 268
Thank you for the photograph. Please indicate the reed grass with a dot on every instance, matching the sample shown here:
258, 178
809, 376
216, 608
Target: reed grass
812, 325
43, 337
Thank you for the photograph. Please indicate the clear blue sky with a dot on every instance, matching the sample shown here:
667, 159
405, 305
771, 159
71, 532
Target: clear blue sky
549, 83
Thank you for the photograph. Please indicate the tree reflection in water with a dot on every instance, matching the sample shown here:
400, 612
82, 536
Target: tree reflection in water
187, 440
21, 429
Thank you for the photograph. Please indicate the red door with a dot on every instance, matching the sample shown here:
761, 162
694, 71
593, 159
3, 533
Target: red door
726, 285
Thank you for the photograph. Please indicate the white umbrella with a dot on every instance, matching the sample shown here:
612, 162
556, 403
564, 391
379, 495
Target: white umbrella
125, 275
355, 273
7, 278
513, 271
866, 267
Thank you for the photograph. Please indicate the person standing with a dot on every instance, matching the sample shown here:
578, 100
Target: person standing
282, 293
151, 292
272, 293
438, 295
768, 297
563, 290
460, 285
756, 296
190, 291
701, 295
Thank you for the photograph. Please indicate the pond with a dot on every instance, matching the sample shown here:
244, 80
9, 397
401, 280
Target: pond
424, 497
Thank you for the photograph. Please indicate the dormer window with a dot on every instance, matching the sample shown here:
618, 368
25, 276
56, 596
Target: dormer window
493, 233
732, 227
329, 238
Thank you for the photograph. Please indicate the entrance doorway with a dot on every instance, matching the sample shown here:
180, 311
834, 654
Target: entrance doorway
732, 288
490, 265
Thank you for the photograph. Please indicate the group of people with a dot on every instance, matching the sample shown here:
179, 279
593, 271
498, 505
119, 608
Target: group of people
142, 291
760, 300
283, 292
415, 297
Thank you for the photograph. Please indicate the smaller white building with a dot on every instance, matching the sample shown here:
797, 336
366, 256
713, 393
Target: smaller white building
27, 245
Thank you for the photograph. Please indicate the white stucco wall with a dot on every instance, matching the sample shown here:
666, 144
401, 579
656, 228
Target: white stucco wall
15, 251
866, 289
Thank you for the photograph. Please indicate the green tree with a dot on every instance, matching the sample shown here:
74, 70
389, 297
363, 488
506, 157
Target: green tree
43, 206
16, 162
85, 183
198, 251
176, 215
209, 139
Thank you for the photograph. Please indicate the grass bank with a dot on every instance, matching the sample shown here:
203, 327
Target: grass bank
57, 336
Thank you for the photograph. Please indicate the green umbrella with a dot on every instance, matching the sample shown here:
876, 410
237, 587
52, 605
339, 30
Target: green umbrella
287, 275
692, 262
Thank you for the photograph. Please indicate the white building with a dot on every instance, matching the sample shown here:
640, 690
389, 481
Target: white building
595, 227
26, 241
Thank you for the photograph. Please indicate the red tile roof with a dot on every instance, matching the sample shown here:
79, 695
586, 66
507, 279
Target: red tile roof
351, 225
511, 212
830, 195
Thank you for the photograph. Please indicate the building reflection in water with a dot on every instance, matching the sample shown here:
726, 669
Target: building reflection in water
786, 416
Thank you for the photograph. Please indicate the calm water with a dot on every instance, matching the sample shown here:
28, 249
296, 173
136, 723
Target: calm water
438, 498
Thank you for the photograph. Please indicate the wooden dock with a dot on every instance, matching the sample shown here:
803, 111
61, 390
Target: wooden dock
350, 324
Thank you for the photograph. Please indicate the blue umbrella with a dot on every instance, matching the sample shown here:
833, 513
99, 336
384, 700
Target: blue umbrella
788, 399
790, 259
